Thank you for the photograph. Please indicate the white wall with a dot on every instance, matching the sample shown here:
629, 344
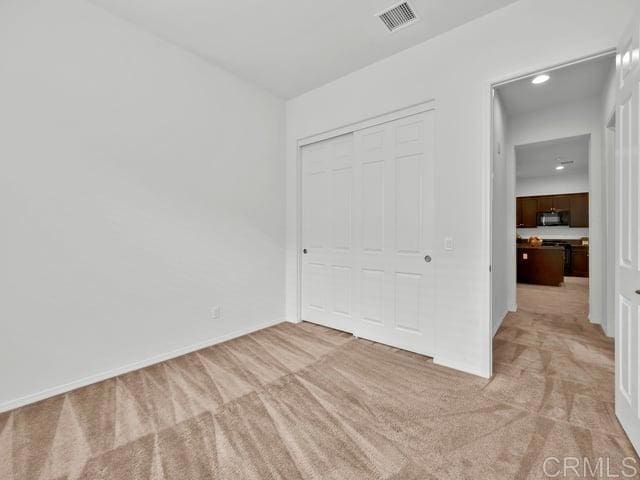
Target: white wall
140, 187
499, 234
553, 185
567, 120
455, 69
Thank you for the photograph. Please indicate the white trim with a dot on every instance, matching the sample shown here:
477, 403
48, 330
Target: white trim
462, 366
487, 225
366, 123
513, 307
83, 382
524, 73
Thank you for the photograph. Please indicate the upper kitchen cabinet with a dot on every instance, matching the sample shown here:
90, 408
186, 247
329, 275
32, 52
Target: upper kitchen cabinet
545, 204
529, 212
561, 202
577, 204
579, 210
519, 222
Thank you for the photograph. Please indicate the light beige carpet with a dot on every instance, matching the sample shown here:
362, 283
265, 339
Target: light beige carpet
302, 401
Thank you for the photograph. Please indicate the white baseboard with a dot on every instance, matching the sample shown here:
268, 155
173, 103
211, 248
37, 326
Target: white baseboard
462, 366
83, 382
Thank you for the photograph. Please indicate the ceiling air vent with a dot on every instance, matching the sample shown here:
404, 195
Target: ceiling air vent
398, 16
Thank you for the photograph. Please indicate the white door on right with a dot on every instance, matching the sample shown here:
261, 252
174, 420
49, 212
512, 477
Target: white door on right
394, 224
627, 301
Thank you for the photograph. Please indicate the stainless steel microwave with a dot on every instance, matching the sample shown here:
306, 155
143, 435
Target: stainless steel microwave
553, 218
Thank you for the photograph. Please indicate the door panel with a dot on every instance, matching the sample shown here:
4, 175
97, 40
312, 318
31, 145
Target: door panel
627, 209
327, 232
393, 207
408, 204
372, 288
342, 186
407, 301
372, 206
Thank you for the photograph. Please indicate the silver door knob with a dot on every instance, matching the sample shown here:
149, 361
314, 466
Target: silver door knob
427, 258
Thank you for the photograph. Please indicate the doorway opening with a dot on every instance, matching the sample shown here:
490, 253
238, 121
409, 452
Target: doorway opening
552, 222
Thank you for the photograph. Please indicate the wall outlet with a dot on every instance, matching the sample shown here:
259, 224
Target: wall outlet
216, 312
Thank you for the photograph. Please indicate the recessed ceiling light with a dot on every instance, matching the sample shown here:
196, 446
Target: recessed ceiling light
540, 79
560, 167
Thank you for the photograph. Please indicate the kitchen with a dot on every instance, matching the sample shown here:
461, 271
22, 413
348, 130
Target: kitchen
552, 210
546, 260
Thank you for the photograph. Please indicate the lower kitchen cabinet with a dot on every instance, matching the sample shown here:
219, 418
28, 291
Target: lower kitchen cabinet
580, 261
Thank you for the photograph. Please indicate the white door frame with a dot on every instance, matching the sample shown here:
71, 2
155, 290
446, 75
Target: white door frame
610, 271
336, 132
488, 200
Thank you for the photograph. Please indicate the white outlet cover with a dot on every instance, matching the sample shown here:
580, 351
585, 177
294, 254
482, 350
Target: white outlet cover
216, 312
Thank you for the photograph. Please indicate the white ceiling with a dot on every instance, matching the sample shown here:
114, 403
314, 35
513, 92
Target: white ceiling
292, 46
540, 159
566, 84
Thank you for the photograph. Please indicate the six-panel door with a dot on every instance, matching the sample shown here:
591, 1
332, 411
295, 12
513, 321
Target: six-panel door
394, 221
627, 304
327, 232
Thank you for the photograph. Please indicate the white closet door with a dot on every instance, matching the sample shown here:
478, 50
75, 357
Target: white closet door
327, 232
394, 224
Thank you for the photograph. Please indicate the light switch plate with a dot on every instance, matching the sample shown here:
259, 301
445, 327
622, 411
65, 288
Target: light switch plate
448, 243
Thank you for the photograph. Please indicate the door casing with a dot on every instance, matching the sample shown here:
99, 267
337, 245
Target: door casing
491, 86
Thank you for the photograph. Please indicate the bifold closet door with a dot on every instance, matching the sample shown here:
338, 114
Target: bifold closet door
394, 221
327, 232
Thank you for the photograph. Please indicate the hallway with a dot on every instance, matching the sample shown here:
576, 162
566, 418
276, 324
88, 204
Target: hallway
550, 360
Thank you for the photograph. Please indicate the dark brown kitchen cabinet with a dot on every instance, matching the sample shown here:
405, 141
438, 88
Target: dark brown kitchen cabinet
545, 204
579, 210
562, 202
577, 204
519, 212
579, 261
529, 212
